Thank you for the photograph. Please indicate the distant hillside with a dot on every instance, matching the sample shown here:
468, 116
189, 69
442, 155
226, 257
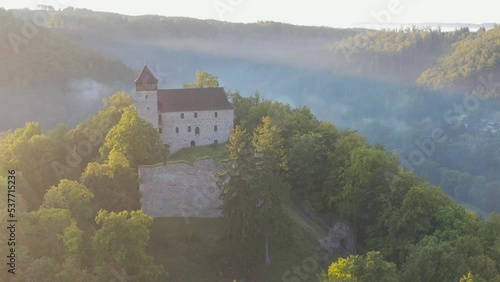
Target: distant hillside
413, 55
477, 55
400, 55
46, 75
434, 25
268, 42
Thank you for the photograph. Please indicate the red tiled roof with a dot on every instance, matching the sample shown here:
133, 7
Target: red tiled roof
192, 99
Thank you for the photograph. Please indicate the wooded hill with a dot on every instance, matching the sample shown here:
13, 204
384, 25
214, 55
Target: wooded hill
433, 58
45, 74
78, 214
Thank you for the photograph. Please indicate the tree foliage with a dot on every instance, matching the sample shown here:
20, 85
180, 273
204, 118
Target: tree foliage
203, 80
135, 138
70, 195
371, 267
114, 182
120, 246
254, 193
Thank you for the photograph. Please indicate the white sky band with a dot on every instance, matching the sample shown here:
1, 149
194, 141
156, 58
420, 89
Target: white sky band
333, 13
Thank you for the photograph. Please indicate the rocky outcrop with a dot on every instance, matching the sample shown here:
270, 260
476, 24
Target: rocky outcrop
340, 239
180, 189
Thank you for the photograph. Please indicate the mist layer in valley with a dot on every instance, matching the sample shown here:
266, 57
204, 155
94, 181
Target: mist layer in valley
452, 139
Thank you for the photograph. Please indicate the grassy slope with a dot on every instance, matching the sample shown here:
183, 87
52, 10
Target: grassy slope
217, 153
188, 247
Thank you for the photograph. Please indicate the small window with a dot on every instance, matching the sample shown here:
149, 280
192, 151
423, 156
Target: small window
197, 130
189, 128
195, 115
182, 115
159, 118
216, 142
193, 144
147, 108
216, 114
176, 130
146, 96
160, 130
215, 127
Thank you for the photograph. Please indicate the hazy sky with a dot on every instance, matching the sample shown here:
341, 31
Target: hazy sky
305, 12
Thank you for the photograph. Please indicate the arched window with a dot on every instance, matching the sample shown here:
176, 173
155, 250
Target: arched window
189, 128
193, 143
195, 115
197, 130
176, 130
182, 115
215, 128
216, 114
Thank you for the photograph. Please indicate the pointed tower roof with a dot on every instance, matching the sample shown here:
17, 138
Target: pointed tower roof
146, 77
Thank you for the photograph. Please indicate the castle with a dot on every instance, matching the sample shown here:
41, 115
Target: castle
184, 117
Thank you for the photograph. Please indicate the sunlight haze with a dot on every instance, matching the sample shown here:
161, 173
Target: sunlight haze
314, 12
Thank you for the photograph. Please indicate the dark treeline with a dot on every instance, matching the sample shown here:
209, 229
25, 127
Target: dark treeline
442, 60
77, 206
396, 115
48, 78
406, 229
77, 197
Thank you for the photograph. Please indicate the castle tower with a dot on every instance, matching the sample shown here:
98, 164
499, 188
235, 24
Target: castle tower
146, 96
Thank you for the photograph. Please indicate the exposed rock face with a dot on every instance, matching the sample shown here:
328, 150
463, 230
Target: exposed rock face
180, 189
340, 237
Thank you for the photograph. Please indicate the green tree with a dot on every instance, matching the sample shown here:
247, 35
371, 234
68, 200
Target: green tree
71, 271
371, 267
70, 195
203, 80
271, 162
30, 151
43, 269
308, 163
471, 278
72, 238
242, 106
254, 193
489, 233
136, 139
240, 199
483, 267
120, 247
365, 185
115, 183
433, 260
44, 239
344, 144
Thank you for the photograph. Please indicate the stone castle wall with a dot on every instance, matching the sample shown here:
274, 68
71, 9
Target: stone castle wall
175, 128
146, 103
180, 189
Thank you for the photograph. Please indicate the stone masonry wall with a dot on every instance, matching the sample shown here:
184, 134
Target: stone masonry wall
180, 189
146, 103
204, 120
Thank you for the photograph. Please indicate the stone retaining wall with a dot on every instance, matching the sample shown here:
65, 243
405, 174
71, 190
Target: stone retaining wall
180, 189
